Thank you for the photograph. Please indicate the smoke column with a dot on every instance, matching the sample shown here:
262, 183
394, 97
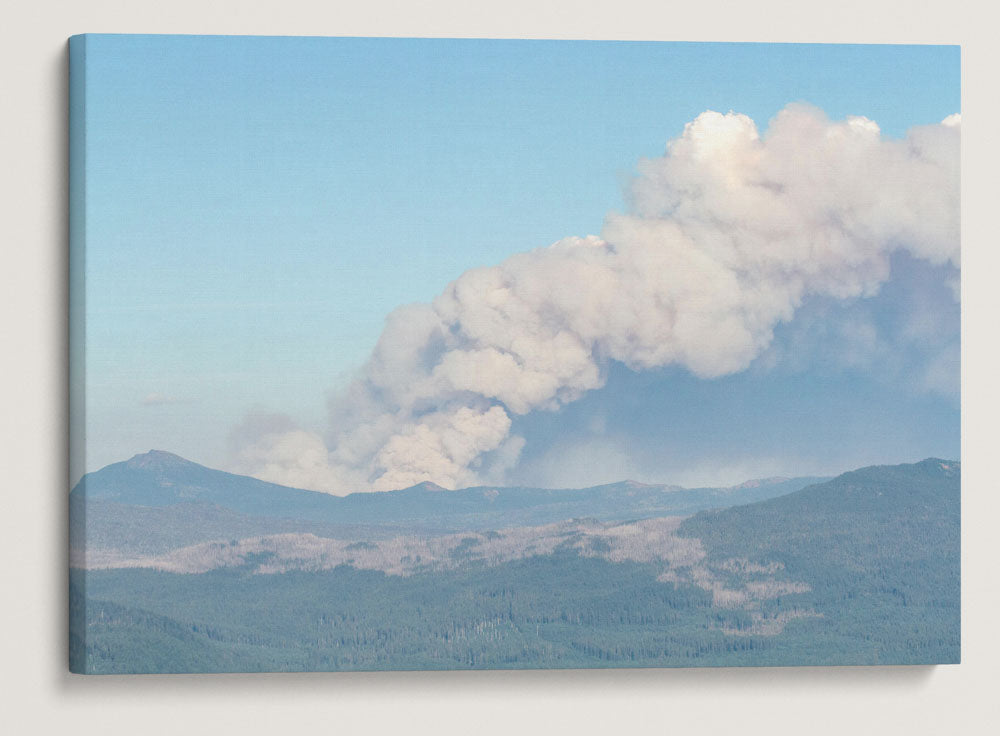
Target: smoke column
725, 236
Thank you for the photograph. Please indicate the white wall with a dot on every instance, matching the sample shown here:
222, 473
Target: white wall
39, 697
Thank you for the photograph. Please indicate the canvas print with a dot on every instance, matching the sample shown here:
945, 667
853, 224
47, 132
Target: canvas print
395, 354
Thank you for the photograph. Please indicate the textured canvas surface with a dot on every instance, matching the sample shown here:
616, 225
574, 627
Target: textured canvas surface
512, 354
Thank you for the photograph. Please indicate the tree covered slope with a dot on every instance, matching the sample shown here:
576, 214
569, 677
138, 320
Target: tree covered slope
862, 569
159, 501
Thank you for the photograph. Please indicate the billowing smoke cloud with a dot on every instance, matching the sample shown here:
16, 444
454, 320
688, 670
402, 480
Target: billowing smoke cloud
725, 237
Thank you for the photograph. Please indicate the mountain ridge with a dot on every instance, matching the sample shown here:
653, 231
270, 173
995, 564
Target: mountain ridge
114, 506
860, 569
161, 460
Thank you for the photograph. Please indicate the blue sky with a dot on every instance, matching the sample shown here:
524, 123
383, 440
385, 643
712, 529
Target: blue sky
257, 206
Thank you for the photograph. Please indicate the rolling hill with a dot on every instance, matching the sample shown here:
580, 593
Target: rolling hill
860, 569
158, 501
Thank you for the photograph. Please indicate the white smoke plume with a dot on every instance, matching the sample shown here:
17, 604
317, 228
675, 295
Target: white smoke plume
726, 235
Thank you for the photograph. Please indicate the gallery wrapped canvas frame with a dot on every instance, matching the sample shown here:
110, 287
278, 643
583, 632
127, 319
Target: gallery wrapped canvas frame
455, 397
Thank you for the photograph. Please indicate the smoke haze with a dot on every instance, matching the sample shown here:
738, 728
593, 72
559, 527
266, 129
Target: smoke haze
726, 235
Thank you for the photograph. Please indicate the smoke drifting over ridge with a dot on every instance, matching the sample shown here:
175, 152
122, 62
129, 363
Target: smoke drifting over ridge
726, 235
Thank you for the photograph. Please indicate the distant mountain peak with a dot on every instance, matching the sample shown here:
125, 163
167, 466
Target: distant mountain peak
426, 486
157, 460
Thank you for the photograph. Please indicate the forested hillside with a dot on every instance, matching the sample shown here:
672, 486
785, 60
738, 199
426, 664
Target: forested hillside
158, 501
863, 569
